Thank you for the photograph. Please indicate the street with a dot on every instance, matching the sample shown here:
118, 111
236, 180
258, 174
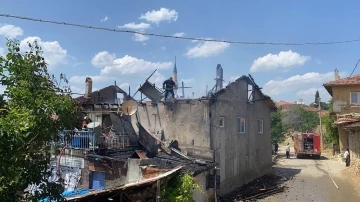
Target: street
311, 180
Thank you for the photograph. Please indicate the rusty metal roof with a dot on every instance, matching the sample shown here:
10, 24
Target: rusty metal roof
124, 187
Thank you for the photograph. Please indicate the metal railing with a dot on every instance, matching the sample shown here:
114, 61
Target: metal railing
87, 140
121, 141
79, 140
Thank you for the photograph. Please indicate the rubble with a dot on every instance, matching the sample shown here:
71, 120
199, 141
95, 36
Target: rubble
255, 190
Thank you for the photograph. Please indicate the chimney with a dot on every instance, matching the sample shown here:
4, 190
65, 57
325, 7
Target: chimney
219, 78
337, 77
88, 87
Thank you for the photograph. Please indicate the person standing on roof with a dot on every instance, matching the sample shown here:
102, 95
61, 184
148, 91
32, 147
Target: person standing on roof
169, 86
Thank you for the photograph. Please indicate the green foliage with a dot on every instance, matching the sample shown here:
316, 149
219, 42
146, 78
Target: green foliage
317, 96
180, 189
299, 119
33, 96
277, 128
332, 135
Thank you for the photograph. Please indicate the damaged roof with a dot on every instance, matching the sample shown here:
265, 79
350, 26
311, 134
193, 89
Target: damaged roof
106, 95
353, 80
271, 104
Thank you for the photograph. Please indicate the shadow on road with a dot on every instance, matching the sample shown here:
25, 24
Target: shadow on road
267, 185
293, 156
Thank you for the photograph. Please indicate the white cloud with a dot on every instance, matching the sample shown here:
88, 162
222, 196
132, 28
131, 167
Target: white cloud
207, 49
309, 95
52, 50
103, 59
233, 78
163, 47
157, 78
285, 60
140, 37
125, 65
2, 52
10, 31
163, 14
132, 25
179, 34
104, 19
124, 85
186, 81
298, 82
95, 79
319, 62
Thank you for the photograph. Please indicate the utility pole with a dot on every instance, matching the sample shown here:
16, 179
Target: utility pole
321, 133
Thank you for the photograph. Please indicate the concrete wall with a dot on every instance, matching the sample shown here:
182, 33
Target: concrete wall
240, 155
354, 144
195, 125
186, 121
341, 99
209, 193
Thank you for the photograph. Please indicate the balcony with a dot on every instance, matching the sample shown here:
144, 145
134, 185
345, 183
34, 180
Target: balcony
89, 141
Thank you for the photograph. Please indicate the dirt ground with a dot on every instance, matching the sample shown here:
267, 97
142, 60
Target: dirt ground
318, 180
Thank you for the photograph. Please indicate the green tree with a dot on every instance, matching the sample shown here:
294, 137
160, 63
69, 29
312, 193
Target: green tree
36, 110
180, 189
277, 128
299, 119
332, 135
317, 96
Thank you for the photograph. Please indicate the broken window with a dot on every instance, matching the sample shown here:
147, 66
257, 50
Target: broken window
250, 93
260, 126
221, 122
241, 125
354, 97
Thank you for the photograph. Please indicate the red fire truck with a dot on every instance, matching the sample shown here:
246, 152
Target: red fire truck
307, 144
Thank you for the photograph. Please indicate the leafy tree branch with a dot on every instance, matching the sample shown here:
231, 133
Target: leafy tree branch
34, 110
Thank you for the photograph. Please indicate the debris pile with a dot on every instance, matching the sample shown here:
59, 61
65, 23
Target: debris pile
257, 189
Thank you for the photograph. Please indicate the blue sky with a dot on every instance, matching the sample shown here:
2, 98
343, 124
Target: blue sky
285, 72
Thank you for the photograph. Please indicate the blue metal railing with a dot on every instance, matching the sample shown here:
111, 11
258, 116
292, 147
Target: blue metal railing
79, 140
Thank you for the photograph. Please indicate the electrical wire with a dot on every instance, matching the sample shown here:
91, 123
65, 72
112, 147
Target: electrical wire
354, 67
178, 37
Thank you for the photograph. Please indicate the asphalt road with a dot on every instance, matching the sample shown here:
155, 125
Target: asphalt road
311, 180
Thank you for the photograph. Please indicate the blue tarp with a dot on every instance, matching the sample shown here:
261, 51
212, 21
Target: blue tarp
68, 193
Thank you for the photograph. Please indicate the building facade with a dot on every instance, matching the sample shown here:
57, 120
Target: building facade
346, 110
230, 127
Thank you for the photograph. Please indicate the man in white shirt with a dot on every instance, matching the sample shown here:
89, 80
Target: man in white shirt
347, 158
287, 150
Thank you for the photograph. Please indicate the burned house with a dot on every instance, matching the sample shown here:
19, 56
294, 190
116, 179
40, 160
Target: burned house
111, 160
230, 127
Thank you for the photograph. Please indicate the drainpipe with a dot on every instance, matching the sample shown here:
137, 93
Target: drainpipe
158, 191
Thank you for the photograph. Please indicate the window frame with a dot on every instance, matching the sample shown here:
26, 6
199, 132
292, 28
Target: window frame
262, 126
358, 97
239, 125
223, 121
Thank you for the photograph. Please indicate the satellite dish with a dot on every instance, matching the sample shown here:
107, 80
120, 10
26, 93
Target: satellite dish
129, 107
93, 125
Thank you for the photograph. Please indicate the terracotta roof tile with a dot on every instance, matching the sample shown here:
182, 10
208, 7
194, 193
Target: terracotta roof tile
354, 80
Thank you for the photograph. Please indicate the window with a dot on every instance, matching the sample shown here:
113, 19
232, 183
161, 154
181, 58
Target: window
241, 125
260, 126
250, 93
354, 97
221, 122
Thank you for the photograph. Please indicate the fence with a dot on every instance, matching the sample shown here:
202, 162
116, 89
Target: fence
87, 140
79, 140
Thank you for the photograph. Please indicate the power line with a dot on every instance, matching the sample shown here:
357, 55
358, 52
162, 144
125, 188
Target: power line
354, 67
178, 37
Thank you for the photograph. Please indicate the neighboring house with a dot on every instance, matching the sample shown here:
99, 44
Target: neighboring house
230, 127
346, 107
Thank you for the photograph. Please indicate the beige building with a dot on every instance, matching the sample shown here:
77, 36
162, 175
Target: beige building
346, 107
